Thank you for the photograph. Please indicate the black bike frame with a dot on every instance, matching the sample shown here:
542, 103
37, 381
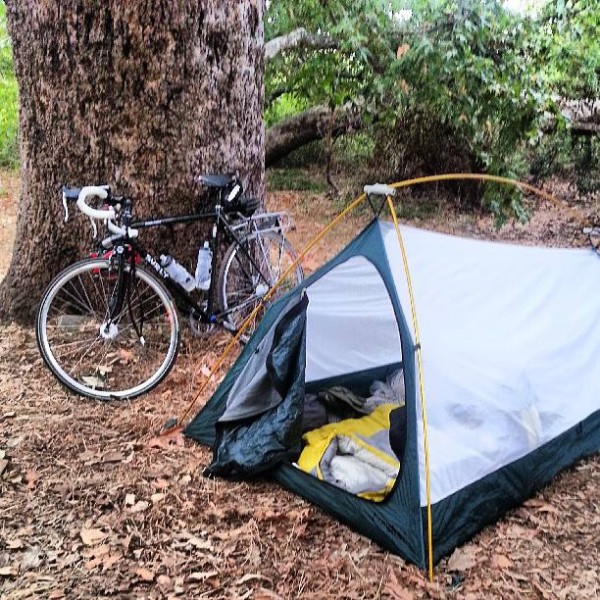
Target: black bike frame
207, 314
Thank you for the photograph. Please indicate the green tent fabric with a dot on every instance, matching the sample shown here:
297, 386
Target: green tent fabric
261, 425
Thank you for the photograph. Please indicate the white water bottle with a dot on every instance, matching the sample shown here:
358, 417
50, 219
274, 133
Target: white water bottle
204, 267
177, 273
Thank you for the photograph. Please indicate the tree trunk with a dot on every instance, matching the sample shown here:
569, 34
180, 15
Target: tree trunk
314, 124
142, 95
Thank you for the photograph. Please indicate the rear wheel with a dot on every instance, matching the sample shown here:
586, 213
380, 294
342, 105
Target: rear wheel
99, 357
243, 282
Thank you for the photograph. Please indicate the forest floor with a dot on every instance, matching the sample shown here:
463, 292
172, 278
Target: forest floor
94, 505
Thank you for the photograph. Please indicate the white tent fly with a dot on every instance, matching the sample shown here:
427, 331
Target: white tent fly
509, 338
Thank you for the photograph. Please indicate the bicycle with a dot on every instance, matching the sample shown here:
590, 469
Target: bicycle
108, 327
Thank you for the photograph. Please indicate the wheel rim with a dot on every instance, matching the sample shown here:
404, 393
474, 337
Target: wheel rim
99, 357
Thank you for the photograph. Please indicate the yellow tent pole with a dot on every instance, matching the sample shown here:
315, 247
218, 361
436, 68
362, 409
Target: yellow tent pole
492, 178
179, 422
323, 232
417, 342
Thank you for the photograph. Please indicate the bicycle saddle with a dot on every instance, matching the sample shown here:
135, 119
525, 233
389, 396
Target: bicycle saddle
217, 181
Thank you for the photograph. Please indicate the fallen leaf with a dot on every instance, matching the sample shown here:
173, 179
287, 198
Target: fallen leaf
93, 564
97, 551
167, 442
9, 571
32, 558
502, 562
126, 355
91, 537
96, 383
31, 477
145, 574
15, 544
109, 561
205, 371
251, 577
129, 499
139, 506
114, 456
462, 559
190, 539
202, 575
157, 497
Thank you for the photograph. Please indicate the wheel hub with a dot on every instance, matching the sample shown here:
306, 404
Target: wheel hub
108, 331
262, 289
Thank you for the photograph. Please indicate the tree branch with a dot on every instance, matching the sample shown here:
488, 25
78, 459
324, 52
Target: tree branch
314, 124
299, 38
583, 115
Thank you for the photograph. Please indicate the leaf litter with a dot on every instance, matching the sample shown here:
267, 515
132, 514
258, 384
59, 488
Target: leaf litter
94, 504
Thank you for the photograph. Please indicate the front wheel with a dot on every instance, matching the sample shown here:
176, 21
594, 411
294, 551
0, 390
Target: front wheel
250, 270
104, 357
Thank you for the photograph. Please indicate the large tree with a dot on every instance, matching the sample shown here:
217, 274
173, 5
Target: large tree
144, 95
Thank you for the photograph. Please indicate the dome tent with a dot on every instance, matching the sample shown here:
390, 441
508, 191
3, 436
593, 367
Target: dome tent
510, 345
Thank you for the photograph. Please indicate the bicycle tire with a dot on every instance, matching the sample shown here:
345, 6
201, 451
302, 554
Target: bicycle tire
241, 286
102, 363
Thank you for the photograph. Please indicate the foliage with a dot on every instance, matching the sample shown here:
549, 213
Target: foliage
8, 99
331, 76
467, 75
483, 78
469, 71
566, 47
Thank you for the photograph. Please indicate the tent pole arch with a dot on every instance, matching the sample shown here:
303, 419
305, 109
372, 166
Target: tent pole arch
175, 425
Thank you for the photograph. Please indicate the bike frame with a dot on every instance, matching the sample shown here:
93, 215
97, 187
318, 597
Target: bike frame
221, 226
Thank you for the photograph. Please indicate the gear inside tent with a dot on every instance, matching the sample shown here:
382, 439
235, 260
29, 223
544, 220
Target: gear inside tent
417, 432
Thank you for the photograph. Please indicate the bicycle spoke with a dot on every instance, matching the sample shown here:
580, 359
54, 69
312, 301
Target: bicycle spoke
77, 301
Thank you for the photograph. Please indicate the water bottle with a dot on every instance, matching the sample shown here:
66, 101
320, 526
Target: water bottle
177, 273
204, 267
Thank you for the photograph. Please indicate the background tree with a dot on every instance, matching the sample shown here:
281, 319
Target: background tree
449, 85
143, 96
9, 99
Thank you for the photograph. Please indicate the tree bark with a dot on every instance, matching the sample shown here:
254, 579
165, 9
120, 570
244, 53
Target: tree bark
142, 95
314, 124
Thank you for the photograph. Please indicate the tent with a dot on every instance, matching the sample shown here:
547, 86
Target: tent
509, 338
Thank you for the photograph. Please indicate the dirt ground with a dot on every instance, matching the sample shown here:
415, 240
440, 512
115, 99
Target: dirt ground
94, 505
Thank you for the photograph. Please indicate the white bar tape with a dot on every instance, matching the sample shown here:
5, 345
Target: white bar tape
94, 190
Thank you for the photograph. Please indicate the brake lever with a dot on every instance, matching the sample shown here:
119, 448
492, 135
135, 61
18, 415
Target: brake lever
66, 207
